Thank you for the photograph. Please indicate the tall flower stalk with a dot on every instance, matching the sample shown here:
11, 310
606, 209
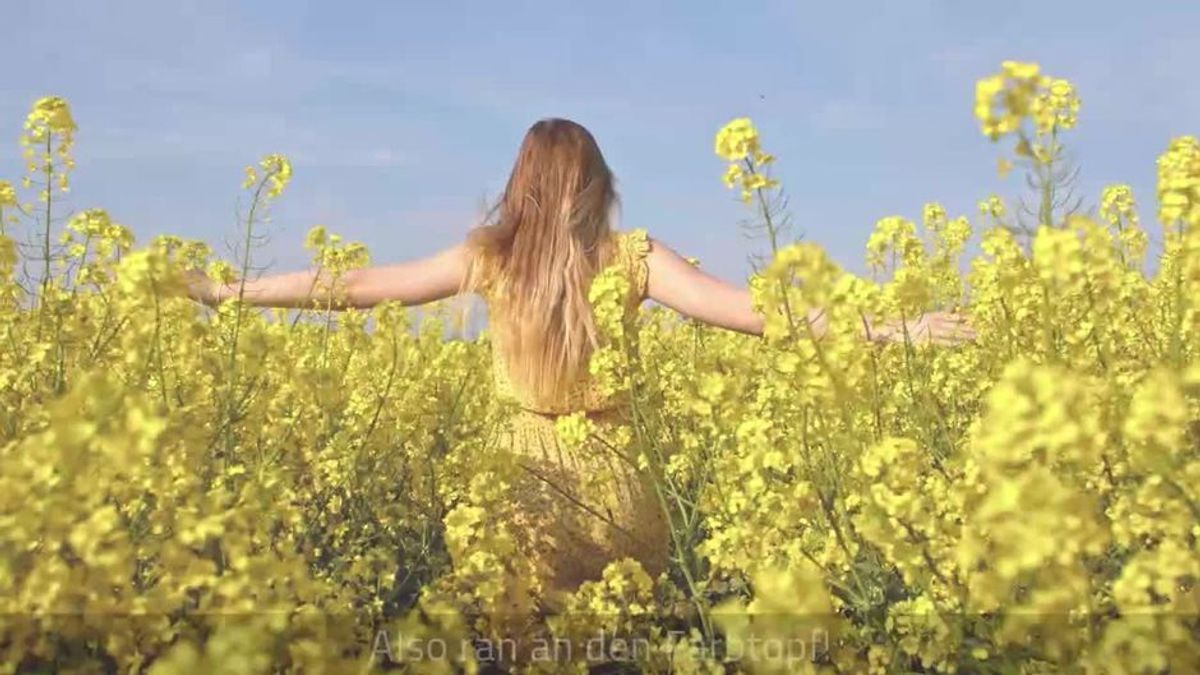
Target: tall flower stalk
49, 135
264, 187
1022, 102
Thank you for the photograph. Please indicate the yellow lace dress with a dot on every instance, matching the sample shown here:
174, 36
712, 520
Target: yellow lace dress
577, 509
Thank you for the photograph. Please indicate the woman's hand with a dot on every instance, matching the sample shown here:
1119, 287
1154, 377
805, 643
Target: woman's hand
938, 328
200, 288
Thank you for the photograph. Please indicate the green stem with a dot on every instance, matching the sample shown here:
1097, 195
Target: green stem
238, 312
46, 233
773, 238
1047, 179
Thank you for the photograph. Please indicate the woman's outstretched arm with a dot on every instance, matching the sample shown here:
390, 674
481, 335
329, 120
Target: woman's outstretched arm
411, 283
674, 282
696, 294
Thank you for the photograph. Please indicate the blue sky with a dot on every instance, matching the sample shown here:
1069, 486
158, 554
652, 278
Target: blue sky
401, 117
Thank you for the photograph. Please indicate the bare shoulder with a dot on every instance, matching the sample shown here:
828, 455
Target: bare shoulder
662, 254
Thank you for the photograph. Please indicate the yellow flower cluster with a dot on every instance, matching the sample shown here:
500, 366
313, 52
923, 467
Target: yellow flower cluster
276, 174
1119, 208
787, 624
994, 207
332, 254
1117, 205
574, 429
47, 142
8, 200
737, 142
609, 294
185, 490
1005, 101
1179, 183
333, 259
1056, 107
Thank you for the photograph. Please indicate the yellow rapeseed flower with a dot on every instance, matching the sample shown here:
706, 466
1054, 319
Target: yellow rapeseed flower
1179, 183
8, 196
737, 140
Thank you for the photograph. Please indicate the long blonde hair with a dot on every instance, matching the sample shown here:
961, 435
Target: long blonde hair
542, 243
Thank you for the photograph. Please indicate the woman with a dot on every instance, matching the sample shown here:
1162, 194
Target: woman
532, 262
